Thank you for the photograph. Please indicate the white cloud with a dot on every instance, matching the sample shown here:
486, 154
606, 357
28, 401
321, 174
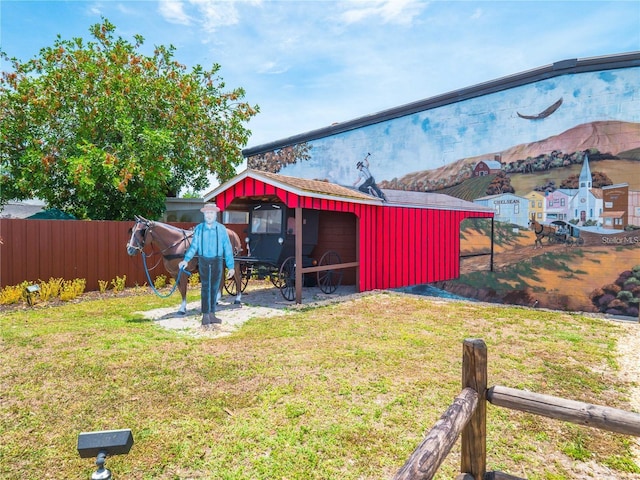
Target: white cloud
214, 14
95, 9
387, 11
272, 68
477, 14
173, 12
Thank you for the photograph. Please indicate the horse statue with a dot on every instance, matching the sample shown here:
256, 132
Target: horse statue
540, 230
172, 243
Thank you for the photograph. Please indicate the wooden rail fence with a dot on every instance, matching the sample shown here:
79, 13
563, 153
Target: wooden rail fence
466, 416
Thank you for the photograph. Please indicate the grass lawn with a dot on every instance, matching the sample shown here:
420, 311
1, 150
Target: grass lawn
343, 391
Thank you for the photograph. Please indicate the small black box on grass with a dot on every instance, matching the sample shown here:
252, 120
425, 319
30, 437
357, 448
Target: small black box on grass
112, 442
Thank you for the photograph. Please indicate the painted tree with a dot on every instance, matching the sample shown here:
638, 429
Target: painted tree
102, 131
598, 180
500, 184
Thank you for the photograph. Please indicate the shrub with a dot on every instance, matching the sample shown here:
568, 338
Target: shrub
611, 289
103, 285
605, 299
618, 304
72, 289
623, 277
160, 282
50, 289
596, 295
624, 295
13, 294
119, 283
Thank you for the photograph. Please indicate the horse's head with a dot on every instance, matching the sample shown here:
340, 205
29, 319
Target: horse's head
138, 235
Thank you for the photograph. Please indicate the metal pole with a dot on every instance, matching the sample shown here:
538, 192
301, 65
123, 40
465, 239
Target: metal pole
102, 473
491, 264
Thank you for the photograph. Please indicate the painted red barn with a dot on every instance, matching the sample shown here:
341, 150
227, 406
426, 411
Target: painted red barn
487, 167
413, 239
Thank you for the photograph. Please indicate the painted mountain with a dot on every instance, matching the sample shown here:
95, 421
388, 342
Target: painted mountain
607, 139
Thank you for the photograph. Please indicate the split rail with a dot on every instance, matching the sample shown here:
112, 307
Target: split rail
466, 417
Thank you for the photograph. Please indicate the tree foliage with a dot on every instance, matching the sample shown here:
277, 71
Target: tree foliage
101, 131
500, 184
598, 180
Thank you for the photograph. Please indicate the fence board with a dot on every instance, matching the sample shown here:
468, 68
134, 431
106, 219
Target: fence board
37, 250
426, 459
604, 418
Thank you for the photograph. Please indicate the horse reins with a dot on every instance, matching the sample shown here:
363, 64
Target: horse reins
144, 260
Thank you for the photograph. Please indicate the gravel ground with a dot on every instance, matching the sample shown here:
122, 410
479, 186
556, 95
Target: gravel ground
264, 302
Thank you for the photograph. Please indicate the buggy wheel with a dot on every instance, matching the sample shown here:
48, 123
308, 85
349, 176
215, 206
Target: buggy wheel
287, 277
275, 279
230, 283
579, 241
329, 280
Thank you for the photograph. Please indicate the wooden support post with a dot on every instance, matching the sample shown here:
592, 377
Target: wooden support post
358, 253
298, 255
492, 243
473, 458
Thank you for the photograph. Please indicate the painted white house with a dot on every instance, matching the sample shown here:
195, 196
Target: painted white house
508, 208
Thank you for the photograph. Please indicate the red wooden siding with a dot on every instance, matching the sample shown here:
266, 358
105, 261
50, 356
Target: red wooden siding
398, 246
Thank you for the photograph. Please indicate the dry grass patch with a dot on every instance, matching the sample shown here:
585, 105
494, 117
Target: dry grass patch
344, 391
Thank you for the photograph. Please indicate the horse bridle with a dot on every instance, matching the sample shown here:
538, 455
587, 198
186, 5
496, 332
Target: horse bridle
140, 246
148, 226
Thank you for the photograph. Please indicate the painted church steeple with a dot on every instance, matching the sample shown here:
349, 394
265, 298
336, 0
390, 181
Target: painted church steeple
585, 175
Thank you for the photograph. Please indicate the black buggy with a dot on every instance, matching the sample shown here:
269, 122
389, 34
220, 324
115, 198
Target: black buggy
271, 238
566, 233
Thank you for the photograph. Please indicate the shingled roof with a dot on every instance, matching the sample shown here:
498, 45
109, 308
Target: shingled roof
324, 189
301, 186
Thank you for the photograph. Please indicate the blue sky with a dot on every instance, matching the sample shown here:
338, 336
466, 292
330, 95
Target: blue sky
308, 64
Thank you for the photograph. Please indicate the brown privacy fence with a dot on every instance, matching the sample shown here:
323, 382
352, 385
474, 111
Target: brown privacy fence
467, 417
33, 250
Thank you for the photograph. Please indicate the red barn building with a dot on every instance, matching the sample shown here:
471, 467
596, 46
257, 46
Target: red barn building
487, 167
413, 239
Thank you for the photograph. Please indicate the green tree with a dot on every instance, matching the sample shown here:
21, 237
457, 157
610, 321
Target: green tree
103, 132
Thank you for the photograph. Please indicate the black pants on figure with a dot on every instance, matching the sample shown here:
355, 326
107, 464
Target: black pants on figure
210, 270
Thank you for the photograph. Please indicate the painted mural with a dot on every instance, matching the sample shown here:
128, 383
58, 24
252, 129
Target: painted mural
560, 155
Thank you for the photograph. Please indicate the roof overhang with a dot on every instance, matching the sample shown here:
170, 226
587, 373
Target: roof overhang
331, 191
298, 186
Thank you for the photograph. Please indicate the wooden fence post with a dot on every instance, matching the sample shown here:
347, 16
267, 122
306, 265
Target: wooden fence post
473, 459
